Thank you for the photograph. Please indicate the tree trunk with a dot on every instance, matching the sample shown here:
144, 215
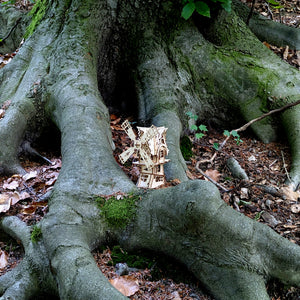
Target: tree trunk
84, 57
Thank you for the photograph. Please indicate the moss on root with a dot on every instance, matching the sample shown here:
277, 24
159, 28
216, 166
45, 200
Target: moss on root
118, 210
38, 11
36, 234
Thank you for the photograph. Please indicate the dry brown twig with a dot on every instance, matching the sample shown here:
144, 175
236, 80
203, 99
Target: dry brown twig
242, 128
245, 126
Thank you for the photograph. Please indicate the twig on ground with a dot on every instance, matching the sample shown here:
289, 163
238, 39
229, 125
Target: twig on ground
285, 169
245, 126
209, 178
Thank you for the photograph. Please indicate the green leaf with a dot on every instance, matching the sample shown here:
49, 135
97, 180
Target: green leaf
1, 40
188, 10
227, 5
192, 116
199, 135
194, 127
226, 133
238, 141
234, 133
272, 2
216, 146
258, 215
202, 9
203, 127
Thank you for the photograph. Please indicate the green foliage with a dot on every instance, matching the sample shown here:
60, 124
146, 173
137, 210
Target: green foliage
119, 255
202, 7
7, 3
235, 134
258, 215
118, 210
36, 234
202, 128
37, 12
186, 147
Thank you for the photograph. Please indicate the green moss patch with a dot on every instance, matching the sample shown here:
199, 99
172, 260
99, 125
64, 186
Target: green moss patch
36, 234
118, 209
37, 12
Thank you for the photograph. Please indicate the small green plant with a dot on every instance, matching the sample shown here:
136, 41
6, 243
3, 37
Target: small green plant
201, 7
258, 215
202, 128
36, 234
233, 133
10, 2
118, 209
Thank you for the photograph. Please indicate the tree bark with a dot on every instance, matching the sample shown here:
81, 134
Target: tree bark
87, 56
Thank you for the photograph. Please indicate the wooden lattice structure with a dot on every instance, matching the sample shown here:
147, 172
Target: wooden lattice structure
151, 149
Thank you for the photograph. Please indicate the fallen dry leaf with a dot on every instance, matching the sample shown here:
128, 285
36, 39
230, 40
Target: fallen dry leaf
289, 193
3, 259
4, 202
176, 296
11, 186
213, 174
190, 175
127, 285
30, 175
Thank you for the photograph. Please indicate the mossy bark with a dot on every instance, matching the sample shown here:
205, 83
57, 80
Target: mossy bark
87, 56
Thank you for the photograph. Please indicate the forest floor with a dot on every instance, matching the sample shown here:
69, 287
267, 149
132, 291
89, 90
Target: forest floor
264, 197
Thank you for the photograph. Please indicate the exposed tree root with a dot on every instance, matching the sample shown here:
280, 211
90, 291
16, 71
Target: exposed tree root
176, 70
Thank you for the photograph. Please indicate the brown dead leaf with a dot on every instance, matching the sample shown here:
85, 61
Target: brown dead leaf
127, 285
190, 175
176, 296
30, 209
289, 193
3, 259
213, 174
4, 202
11, 186
30, 175
14, 198
285, 53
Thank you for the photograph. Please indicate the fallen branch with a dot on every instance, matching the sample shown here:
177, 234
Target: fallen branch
209, 178
244, 127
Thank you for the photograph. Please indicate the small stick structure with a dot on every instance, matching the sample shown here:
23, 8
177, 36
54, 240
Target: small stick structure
151, 149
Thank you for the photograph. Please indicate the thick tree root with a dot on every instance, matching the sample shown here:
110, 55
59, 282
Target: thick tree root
33, 275
231, 254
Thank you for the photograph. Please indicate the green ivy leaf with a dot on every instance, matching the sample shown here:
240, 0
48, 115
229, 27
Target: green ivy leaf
199, 135
272, 2
226, 133
227, 5
216, 146
188, 10
235, 134
193, 127
203, 127
202, 9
